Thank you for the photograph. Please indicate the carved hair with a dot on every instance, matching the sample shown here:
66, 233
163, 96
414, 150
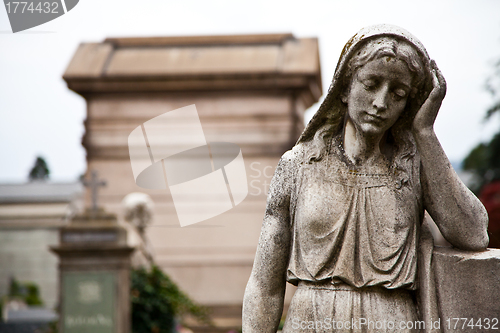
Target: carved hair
388, 47
400, 133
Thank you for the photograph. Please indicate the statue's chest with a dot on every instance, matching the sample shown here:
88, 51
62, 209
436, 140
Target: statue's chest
329, 199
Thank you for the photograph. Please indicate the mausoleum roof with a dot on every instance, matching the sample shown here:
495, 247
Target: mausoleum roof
39, 191
277, 61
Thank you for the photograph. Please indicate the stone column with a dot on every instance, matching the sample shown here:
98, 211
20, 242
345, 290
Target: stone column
94, 275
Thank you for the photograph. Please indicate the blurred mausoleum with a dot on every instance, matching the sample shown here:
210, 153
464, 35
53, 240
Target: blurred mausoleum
251, 90
31, 214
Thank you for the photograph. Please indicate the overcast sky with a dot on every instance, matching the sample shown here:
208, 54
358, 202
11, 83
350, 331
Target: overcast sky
40, 116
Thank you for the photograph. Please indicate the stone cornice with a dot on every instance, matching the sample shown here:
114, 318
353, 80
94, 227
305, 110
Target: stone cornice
197, 63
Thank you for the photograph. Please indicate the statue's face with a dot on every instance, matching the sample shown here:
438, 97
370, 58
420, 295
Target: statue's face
378, 94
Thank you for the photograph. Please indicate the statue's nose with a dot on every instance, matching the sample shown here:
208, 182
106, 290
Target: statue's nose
380, 100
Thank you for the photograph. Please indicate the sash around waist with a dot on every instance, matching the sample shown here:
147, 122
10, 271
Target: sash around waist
339, 285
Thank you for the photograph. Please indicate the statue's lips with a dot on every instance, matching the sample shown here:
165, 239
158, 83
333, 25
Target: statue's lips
374, 118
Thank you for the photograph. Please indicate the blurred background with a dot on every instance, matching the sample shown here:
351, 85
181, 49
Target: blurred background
42, 123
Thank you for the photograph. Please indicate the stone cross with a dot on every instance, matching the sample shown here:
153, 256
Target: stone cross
94, 185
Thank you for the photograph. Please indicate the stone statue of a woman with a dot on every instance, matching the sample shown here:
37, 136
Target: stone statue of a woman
346, 206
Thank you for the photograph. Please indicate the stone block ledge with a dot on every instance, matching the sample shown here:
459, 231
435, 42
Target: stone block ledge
468, 286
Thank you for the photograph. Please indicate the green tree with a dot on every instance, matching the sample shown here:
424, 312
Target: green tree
484, 162
157, 302
493, 86
40, 170
484, 159
26, 291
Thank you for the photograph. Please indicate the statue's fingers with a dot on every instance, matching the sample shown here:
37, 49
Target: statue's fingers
435, 80
438, 75
438, 82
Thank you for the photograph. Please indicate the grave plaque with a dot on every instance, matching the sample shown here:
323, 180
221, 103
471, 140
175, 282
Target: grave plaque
90, 306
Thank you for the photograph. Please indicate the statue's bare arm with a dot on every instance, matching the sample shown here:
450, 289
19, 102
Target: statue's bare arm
265, 291
460, 216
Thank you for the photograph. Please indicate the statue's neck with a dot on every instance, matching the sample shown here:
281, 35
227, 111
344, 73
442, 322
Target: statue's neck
363, 149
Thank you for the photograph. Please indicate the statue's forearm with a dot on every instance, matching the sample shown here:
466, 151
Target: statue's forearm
459, 214
265, 291
261, 311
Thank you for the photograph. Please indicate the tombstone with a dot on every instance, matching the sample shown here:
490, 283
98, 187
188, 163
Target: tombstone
94, 271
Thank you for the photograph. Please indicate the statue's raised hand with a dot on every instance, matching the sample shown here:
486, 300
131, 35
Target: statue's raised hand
425, 117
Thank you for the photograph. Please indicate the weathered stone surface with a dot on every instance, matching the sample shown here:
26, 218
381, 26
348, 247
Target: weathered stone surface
468, 285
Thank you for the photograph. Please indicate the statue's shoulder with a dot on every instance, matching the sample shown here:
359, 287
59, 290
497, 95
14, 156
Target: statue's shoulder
290, 163
294, 156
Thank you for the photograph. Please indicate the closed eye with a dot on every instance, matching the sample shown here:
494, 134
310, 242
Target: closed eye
400, 93
369, 83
